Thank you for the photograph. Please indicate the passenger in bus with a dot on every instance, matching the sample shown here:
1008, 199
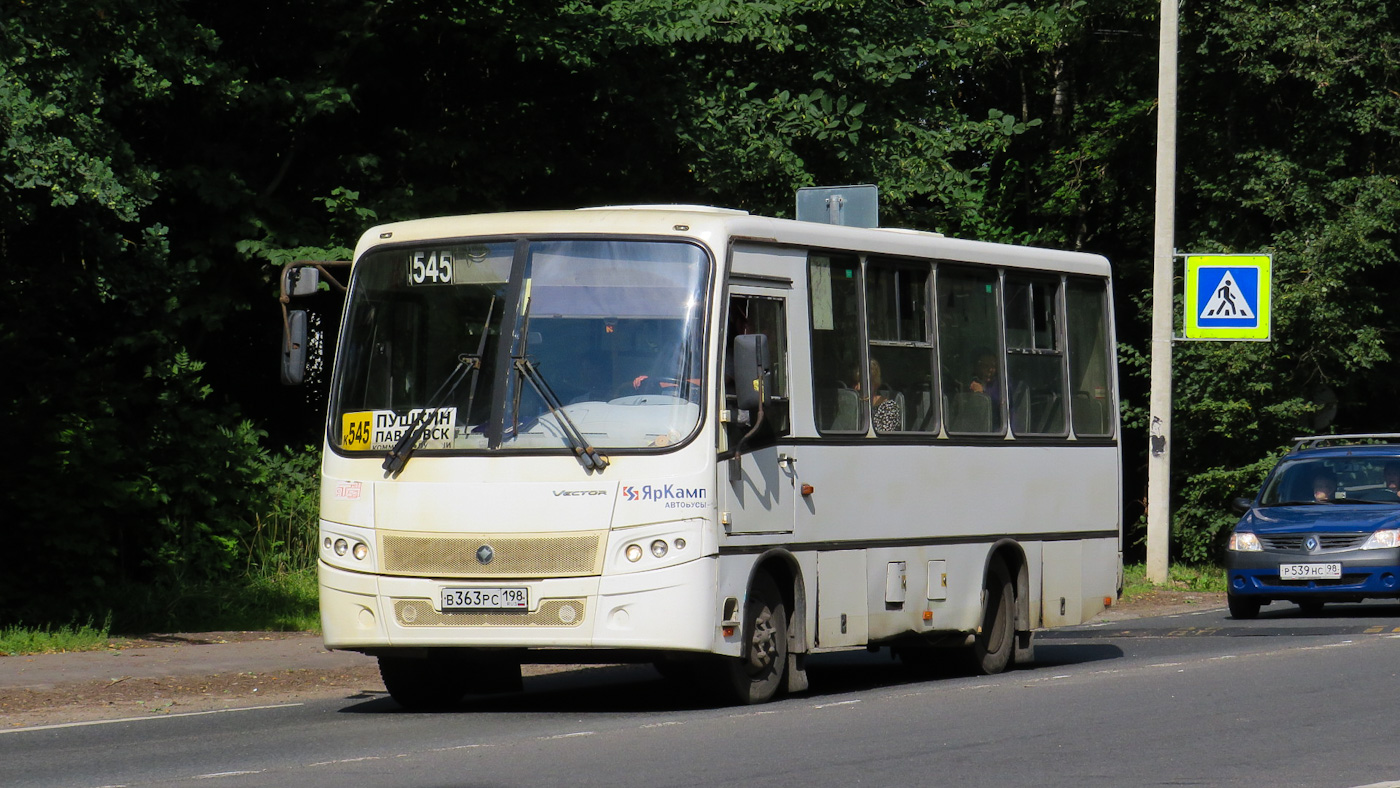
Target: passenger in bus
986, 377
885, 411
1324, 485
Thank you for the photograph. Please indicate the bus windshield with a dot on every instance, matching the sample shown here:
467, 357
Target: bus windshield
471, 342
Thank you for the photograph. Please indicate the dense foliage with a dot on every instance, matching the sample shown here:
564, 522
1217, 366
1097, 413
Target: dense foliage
162, 158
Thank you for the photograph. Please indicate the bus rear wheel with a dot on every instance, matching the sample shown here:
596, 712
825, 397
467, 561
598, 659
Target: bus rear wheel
756, 677
992, 646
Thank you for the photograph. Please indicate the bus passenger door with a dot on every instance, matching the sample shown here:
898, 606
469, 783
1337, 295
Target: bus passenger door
760, 476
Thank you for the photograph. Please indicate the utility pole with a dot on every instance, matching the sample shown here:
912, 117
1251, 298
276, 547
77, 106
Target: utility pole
1163, 248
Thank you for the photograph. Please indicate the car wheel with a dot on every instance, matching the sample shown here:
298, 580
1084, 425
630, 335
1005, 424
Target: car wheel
1243, 606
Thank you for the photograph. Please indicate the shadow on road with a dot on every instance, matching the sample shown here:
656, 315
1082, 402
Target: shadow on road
626, 689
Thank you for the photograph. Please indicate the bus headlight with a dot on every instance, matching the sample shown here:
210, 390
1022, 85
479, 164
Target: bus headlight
651, 547
347, 547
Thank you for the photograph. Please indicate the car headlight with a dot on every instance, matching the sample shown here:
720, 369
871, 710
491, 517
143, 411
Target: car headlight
1387, 537
1245, 542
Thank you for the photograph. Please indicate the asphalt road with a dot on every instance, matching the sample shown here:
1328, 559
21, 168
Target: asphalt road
1197, 699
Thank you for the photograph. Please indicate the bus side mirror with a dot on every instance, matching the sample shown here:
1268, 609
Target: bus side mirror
294, 349
300, 280
751, 370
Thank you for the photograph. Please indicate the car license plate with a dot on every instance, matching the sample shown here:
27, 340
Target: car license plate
1310, 571
511, 598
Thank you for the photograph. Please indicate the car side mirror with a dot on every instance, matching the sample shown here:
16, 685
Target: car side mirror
294, 349
1241, 505
752, 368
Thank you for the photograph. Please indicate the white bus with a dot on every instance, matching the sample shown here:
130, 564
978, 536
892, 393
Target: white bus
714, 441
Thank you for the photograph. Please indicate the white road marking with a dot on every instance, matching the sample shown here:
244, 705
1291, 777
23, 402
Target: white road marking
143, 719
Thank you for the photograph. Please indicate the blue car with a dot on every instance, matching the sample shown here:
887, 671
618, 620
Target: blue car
1325, 527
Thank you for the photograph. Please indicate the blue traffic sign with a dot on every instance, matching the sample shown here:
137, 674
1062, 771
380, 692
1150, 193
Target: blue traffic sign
1227, 296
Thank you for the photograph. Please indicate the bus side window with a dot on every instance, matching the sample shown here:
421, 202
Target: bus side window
1089, 357
901, 353
836, 342
969, 342
1035, 364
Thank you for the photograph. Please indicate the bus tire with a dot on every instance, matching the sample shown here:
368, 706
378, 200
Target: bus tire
993, 643
756, 677
417, 684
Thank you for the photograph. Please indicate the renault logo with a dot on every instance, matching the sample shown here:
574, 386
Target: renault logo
1310, 544
484, 554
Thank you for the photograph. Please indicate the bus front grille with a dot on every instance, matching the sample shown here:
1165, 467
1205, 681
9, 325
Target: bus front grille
552, 613
487, 555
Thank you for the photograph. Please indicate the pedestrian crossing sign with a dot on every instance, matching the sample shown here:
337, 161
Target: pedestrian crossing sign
1227, 296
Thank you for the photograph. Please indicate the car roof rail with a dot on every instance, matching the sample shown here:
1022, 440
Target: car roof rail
1319, 441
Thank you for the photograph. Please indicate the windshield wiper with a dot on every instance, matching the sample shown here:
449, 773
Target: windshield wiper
589, 456
408, 442
1366, 500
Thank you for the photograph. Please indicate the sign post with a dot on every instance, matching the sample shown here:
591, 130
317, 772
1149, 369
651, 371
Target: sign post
1164, 229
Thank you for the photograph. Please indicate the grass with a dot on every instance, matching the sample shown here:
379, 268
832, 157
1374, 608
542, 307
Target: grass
1180, 577
275, 602
272, 601
18, 639
272, 588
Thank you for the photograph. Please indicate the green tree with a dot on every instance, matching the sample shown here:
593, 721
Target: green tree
162, 159
1295, 150
120, 455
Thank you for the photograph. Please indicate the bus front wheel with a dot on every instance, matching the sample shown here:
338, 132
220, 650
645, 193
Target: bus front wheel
993, 644
756, 677
416, 686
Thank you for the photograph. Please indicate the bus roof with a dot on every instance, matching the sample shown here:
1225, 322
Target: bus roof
720, 226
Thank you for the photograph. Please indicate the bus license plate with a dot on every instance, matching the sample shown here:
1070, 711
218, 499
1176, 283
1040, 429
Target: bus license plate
454, 599
1310, 571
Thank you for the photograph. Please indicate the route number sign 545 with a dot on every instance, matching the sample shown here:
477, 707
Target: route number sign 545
430, 268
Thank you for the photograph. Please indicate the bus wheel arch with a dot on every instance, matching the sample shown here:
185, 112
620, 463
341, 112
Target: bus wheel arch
773, 631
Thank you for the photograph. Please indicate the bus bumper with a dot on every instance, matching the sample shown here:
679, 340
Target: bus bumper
669, 609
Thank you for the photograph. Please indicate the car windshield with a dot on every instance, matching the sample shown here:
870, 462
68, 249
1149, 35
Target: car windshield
460, 338
1322, 480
